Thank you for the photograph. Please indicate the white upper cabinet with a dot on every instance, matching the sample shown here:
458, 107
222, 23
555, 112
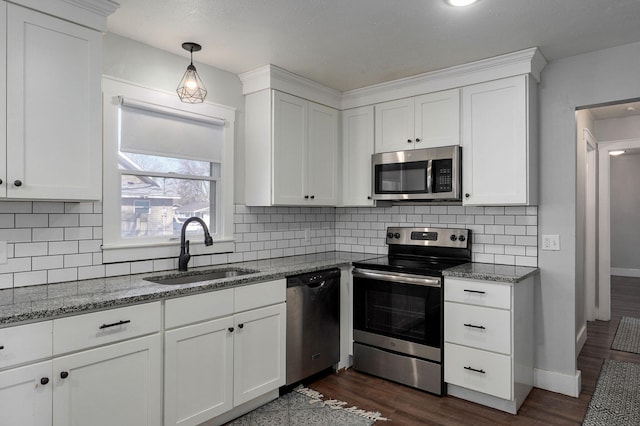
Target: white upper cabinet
499, 161
357, 148
53, 122
420, 122
291, 151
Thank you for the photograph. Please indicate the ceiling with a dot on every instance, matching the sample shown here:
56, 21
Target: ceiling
619, 110
347, 44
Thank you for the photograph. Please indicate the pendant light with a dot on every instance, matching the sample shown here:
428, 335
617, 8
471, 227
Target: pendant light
191, 89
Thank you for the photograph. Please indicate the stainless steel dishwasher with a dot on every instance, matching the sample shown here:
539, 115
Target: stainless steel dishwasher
313, 323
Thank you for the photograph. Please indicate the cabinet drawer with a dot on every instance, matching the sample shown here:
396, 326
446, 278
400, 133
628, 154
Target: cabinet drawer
478, 327
492, 373
25, 343
481, 293
99, 328
260, 294
199, 307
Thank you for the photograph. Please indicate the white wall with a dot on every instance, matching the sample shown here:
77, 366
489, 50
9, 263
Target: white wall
614, 129
592, 78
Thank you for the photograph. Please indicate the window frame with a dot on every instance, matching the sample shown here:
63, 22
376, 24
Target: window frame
118, 249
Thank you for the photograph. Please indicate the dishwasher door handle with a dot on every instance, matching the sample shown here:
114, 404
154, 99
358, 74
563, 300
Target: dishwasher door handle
316, 284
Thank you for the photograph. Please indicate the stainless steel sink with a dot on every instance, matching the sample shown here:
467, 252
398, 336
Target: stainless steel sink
199, 276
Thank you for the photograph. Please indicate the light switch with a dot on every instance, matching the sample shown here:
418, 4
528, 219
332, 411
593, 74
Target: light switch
551, 242
3, 252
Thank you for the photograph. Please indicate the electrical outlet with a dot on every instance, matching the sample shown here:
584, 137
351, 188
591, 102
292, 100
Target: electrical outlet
3, 252
551, 242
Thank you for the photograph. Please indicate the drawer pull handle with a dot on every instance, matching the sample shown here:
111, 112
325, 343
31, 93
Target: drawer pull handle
103, 326
476, 370
65, 374
481, 327
44, 381
475, 291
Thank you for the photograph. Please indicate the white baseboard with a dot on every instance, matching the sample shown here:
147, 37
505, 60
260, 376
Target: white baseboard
581, 338
625, 272
553, 381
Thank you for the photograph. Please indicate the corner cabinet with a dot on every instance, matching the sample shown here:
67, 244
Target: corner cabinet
499, 142
357, 148
51, 107
291, 151
488, 335
425, 121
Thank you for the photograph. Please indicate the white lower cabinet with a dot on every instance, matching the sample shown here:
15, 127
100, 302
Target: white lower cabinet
118, 384
233, 354
488, 333
25, 395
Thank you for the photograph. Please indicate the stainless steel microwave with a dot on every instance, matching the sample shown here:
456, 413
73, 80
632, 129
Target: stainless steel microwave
419, 174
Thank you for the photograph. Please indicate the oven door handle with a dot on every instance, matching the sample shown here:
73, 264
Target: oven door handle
397, 277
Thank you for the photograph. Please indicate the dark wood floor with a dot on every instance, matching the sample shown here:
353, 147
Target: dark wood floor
407, 406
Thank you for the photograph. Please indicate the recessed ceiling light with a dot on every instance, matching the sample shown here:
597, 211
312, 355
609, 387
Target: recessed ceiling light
619, 152
460, 3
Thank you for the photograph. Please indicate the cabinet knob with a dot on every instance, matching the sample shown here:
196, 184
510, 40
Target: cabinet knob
44, 381
417, 139
409, 141
240, 325
369, 197
17, 182
230, 329
312, 197
467, 195
64, 374
1, 182
1, 347
306, 197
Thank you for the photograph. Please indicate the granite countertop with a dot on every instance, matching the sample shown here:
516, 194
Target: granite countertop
49, 301
491, 272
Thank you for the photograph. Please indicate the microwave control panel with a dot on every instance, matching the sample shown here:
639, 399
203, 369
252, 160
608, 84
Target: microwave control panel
442, 175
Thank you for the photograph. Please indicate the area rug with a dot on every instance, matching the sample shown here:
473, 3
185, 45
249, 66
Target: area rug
304, 406
627, 337
616, 400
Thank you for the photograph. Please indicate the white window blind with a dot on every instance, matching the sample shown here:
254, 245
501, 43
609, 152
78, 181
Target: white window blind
155, 130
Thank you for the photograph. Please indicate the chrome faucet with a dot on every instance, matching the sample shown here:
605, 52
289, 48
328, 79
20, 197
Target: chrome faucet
183, 260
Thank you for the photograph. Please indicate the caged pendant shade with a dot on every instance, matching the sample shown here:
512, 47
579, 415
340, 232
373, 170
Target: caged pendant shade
191, 89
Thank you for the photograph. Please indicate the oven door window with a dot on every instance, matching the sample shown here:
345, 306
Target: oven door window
403, 311
401, 178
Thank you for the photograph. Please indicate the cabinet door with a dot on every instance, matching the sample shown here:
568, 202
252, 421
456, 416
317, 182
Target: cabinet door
437, 118
395, 125
289, 149
495, 142
322, 160
54, 123
198, 372
259, 352
25, 395
118, 384
357, 148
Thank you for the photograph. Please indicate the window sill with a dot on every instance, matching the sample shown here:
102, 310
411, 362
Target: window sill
112, 253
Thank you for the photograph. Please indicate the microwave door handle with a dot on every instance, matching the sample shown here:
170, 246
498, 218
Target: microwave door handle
429, 177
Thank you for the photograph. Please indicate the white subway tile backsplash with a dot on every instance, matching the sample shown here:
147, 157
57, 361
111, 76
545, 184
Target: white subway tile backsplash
54, 241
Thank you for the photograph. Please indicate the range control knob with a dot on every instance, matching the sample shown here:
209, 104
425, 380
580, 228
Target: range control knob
453, 238
396, 235
390, 235
461, 238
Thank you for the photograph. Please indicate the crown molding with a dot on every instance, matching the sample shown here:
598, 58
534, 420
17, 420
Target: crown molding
527, 61
274, 77
89, 13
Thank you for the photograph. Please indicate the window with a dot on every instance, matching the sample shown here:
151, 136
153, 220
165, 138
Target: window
164, 161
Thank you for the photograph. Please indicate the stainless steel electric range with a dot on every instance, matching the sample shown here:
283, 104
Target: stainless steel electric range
397, 305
